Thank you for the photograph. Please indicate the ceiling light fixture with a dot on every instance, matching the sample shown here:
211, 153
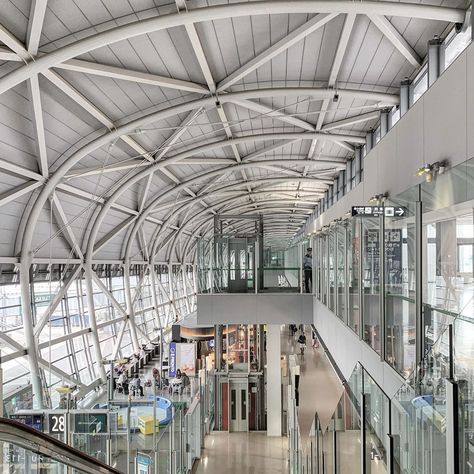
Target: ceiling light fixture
430, 171
378, 198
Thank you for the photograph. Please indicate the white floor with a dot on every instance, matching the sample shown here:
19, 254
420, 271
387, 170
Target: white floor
319, 388
242, 453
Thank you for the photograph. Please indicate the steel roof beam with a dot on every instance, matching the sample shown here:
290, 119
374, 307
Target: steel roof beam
35, 93
157, 199
106, 138
336, 65
166, 146
217, 12
88, 67
294, 37
18, 191
65, 228
392, 34
341, 48
9, 40
7, 54
276, 114
35, 25
351, 121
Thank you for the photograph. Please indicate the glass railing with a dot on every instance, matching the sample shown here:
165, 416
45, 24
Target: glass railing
247, 280
26, 450
410, 432
131, 435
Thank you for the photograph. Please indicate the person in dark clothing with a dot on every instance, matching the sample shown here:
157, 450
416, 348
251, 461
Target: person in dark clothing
308, 269
302, 343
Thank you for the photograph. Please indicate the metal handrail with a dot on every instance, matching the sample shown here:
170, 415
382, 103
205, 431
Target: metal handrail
33, 440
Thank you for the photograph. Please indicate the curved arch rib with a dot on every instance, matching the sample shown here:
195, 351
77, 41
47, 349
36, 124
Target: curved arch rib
42, 64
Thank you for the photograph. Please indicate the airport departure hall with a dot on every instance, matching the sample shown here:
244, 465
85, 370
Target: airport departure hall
236, 237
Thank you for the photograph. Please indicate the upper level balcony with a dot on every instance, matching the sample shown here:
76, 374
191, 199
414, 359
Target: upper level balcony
241, 279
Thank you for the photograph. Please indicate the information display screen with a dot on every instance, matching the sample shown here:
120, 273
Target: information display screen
35, 421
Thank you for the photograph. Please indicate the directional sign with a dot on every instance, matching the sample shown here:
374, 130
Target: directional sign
377, 211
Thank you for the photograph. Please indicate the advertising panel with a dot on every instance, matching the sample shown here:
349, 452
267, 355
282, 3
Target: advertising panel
182, 357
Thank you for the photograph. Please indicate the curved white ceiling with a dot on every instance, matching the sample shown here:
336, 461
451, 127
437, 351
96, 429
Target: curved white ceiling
125, 125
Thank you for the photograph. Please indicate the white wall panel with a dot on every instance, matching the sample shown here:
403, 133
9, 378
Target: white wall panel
347, 349
445, 116
255, 308
410, 154
470, 101
439, 126
371, 174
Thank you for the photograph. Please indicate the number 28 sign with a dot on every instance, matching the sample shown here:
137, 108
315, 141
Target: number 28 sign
57, 423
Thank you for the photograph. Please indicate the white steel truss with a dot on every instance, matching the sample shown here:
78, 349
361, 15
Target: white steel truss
233, 168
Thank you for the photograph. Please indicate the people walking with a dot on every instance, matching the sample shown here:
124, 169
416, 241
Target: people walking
302, 343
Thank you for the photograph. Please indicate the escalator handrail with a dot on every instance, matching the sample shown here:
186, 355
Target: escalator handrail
29, 438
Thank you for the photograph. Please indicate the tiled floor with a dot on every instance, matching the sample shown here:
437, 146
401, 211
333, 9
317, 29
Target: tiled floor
243, 453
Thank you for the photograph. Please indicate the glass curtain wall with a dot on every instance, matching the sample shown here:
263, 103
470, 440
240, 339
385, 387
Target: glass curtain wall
353, 274
341, 270
62, 321
336, 448
382, 291
400, 259
371, 282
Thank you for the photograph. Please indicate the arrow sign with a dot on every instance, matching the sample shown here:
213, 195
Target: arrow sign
399, 211
377, 211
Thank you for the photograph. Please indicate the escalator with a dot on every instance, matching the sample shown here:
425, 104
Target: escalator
25, 450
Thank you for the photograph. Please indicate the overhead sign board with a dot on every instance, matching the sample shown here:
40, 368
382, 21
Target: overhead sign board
90, 423
35, 421
377, 211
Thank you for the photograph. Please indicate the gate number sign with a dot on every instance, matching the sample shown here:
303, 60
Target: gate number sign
57, 423
377, 211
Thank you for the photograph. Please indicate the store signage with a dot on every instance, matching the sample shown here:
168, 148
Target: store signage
182, 357
172, 368
377, 211
35, 421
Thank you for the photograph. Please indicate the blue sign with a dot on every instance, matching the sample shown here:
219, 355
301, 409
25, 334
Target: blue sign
35, 421
144, 459
172, 367
143, 463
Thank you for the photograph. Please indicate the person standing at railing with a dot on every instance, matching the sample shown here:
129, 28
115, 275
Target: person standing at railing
308, 269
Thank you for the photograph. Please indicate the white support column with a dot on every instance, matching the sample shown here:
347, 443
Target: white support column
404, 97
130, 308
30, 340
273, 380
384, 122
369, 141
93, 322
434, 60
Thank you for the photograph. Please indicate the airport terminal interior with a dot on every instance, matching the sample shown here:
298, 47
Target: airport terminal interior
236, 236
